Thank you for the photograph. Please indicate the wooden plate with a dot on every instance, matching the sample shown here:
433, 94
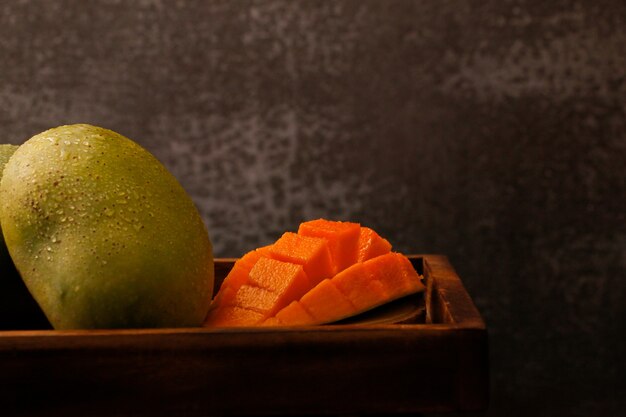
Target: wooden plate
372, 366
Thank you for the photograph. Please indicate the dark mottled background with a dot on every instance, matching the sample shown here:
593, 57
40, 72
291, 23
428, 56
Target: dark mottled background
493, 132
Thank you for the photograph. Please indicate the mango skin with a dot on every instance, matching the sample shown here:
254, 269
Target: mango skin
102, 234
18, 309
5, 153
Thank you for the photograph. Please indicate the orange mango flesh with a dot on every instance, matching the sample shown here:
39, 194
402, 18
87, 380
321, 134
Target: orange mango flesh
310, 252
284, 281
325, 302
269, 278
225, 297
396, 273
281, 277
256, 299
294, 281
359, 288
238, 276
342, 237
371, 245
294, 313
270, 286
233, 316
249, 259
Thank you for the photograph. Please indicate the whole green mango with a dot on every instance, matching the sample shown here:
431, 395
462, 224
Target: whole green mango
102, 234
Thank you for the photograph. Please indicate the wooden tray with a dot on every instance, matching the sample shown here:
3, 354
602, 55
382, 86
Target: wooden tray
438, 365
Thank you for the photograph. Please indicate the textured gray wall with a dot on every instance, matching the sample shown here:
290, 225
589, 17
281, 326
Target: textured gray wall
493, 132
